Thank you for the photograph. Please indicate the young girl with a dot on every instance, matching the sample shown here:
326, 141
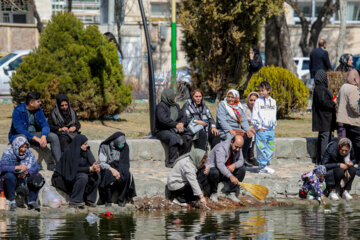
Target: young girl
314, 184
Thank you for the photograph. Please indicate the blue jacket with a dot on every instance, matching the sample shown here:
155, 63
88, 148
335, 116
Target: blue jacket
20, 123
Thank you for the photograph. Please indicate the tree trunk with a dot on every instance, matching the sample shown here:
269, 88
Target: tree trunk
272, 51
39, 24
342, 30
119, 15
69, 5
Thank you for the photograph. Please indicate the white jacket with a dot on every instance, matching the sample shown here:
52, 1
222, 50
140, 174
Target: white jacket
264, 113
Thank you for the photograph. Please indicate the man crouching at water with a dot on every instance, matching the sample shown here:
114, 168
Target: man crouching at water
226, 164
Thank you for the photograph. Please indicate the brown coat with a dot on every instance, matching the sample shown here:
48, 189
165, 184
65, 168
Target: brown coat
348, 99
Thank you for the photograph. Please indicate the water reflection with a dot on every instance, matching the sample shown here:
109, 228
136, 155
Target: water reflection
309, 222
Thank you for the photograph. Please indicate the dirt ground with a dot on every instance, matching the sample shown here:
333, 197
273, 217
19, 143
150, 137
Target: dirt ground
135, 123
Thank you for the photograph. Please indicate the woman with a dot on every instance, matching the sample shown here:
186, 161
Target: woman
231, 120
348, 113
115, 175
18, 167
346, 63
198, 114
248, 107
182, 180
77, 173
63, 121
339, 161
254, 64
169, 126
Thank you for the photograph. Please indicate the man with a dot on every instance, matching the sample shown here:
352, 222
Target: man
226, 164
319, 59
28, 119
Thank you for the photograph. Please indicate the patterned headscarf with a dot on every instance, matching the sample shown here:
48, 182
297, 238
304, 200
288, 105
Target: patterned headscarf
17, 143
321, 78
234, 109
319, 169
343, 142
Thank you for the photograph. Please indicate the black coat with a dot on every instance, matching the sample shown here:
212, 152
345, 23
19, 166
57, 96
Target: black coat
323, 110
319, 59
163, 120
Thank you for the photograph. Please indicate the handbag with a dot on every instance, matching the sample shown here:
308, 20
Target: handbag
193, 127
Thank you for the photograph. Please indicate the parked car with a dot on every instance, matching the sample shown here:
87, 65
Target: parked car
8, 64
302, 66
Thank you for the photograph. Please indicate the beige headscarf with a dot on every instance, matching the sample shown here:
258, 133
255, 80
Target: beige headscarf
353, 78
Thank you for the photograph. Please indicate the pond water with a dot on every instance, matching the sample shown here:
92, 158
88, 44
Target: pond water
340, 221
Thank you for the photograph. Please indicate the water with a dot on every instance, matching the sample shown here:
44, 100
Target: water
308, 222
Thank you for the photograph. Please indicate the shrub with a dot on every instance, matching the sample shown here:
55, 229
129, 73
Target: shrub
288, 90
336, 80
76, 61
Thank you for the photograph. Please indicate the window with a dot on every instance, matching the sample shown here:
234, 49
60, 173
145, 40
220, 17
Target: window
160, 10
7, 58
352, 12
19, 18
16, 63
6, 18
306, 65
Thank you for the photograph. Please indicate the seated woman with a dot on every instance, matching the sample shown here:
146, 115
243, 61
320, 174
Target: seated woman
182, 180
63, 121
115, 174
199, 116
77, 173
169, 126
339, 161
18, 167
231, 120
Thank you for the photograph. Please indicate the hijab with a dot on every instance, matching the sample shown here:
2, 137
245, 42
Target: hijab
234, 110
321, 78
168, 97
319, 169
353, 77
251, 94
195, 155
114, 147
17, 143
69, 162
62, 118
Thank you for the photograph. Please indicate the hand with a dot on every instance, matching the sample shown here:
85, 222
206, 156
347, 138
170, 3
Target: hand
215, 131
23, 174
95, 167
115, 173
203, 200
234, 180
206, 170
201, 122
261, 129
43, 141
72, 129
343, 166
232, 132
249, 133
64, 129
21, 167
349, 164
231, 167
180, 127
36, 139
253, 130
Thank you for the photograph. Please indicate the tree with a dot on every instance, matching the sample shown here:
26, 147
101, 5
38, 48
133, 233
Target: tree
79, 62
69, 5
218, 35
342, 31
326, 12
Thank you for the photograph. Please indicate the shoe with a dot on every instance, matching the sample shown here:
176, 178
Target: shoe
263, 171
108, 204
270, 170
333, 196
13, 206
90, 204
309, 197
121, 203
179, 203
77, 204
254, 162
346, 195
34, 205
247, 164
214, 197
232, 197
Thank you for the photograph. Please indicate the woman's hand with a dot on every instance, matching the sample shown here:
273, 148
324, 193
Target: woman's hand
203, 199
232, 132
115, 173
72, 129
206, 170
21, 167
95, 167
349, 164
215, 131
201, 122
180, 127
343, 166
249, 133
64, 129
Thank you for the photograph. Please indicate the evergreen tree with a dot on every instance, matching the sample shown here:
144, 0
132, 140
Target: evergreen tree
77, 61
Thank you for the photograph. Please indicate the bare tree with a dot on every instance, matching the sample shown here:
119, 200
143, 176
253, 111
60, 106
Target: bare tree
308, 43
342, 30
69, 5
122, 8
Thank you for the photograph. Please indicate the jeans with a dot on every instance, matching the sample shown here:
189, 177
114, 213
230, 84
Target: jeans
53, 139
265, 147
10, 184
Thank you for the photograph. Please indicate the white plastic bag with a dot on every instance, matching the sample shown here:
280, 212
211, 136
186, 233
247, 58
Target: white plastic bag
92, 218
50, 198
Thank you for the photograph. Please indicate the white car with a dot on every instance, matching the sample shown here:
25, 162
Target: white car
302, 66
7, 68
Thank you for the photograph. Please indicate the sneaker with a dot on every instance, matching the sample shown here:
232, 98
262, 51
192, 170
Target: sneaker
13, 206
309, 197
263, 171
76, 204
232, 197
214, 197
270, 170
179, 203
333, 196
34, 205
346, 195
90, 204
108, 204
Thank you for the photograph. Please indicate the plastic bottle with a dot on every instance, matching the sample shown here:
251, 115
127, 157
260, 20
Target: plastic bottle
2, 201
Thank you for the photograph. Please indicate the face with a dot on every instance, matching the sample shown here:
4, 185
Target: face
64, 106
344, 151
197, 97
251, 51
35, 104
230, 99
252, 100
264, 93
321, 177
84, 146
236, 146
22, 149
350, 61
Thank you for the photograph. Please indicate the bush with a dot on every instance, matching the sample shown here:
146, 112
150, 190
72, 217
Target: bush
336, 80
288, 90
78, 62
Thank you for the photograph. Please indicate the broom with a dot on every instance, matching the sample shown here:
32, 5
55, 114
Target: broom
258, 191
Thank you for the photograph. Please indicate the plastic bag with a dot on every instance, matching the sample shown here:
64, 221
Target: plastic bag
92, 218
50, 198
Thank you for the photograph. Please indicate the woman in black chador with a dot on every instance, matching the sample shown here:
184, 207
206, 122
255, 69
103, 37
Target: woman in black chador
115, 174
77, 173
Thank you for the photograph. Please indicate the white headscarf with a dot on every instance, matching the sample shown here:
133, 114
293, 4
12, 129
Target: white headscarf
237, 105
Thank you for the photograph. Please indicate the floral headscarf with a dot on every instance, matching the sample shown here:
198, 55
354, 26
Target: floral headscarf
234, 109
17, 143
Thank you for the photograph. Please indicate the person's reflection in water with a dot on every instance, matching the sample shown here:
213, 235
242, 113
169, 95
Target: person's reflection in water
256, 226
337, 223
27, 228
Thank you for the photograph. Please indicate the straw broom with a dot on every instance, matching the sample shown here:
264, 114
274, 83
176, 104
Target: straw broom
258, 191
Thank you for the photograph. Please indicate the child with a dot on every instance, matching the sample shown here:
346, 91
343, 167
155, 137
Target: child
314, 184
264, 121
